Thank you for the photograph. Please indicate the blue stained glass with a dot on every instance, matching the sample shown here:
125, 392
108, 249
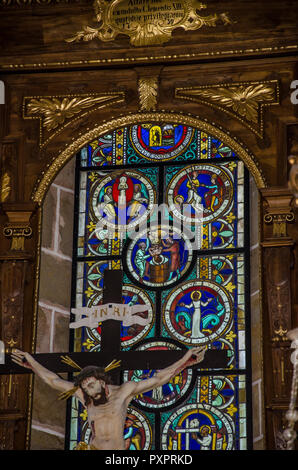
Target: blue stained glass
195, 293
147, 142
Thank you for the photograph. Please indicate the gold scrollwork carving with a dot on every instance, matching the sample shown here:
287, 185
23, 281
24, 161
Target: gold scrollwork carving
53, 112
280, 334
243, 100
279, 222
18, 235
146, 23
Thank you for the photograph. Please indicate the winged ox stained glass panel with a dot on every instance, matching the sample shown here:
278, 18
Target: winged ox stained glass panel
193, 280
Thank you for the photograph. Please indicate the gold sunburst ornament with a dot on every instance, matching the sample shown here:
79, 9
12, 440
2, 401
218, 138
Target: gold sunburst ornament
146, 22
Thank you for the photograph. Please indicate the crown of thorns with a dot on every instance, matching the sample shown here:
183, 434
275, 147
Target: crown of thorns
67, 360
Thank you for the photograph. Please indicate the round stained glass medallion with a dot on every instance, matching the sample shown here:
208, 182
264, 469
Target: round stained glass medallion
158, 256
198, 427
167, 394
122, 200
160, 141
197, 312
201, 191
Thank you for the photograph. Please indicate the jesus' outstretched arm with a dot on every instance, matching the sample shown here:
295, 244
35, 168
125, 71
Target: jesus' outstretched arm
25, 359
163, 376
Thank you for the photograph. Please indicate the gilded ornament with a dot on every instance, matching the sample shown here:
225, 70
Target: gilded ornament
5, 187
245, 101
146, 22
148, 88
280, 334
293, 177
56, 112
17, 233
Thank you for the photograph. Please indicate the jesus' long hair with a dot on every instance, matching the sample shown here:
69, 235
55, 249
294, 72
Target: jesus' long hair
99, 374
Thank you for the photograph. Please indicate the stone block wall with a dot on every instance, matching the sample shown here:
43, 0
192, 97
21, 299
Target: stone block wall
48, 413
256, 321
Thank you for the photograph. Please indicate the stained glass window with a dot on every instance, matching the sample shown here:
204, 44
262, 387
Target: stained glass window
192, 277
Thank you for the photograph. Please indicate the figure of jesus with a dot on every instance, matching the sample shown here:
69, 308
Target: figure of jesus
205, 440
107, 404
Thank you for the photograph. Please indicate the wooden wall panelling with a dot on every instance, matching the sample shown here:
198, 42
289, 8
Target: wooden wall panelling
17, 257
16, 265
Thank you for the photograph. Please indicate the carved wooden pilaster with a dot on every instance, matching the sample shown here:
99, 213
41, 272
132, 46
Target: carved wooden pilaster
14, 264
278, 260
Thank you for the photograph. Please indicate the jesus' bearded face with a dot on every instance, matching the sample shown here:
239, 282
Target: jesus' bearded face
95, 389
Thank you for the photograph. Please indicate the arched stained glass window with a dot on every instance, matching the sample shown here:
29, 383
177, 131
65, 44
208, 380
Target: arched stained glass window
196, 292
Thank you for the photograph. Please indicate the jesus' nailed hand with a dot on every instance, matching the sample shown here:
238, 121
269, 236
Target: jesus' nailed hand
107, 404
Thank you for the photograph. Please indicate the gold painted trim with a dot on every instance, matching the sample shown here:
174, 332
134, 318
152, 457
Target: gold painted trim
244, 101
71, 149
149, 59
52, 114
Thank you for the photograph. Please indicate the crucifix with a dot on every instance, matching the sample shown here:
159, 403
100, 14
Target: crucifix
106, 402
111, 346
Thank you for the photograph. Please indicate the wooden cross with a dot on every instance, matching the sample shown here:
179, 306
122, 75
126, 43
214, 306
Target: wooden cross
111, 347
